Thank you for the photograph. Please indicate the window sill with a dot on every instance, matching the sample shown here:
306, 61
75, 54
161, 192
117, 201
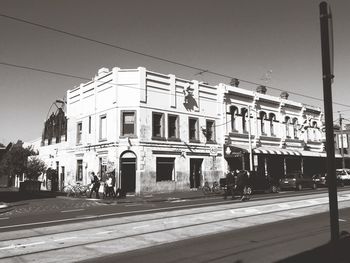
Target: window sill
195, 141
159, 138
174, 139
131, 136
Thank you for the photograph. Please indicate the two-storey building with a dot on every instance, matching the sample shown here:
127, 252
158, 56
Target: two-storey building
162, 133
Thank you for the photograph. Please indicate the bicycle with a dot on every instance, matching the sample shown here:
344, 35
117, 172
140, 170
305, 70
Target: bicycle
77, 190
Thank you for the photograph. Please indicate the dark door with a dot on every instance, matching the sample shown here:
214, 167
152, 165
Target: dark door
128, 175
195, 172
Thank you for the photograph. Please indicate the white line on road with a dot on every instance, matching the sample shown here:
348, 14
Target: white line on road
136, 227
104, 232
22, 245
342, 220
132, 205
65, 238
3, 218
73, 210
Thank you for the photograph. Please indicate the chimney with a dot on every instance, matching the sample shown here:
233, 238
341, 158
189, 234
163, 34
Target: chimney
284, 95
234, 82
261, 89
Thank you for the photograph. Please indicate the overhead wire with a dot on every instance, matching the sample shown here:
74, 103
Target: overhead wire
201, 70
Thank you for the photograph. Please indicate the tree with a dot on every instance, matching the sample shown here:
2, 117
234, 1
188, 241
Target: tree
35, 167
14, 162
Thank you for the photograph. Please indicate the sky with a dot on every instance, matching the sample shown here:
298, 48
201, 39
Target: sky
245, 39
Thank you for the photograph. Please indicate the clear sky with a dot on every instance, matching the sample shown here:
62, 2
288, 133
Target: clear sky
240, 38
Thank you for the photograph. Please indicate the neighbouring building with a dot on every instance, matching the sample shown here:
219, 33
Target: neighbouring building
162, 133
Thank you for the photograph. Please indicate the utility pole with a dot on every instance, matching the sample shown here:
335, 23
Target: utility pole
327, 76
341, 141
251, 168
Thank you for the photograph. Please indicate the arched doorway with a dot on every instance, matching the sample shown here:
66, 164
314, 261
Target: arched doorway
128, 171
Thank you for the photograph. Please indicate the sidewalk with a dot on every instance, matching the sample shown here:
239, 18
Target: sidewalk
19, 202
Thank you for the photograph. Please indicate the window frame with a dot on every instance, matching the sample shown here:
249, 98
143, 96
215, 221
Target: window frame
177, 131
213, 127
160, 174
79, 134
161, 125
80, 168
122, 134
103, 116
196, 139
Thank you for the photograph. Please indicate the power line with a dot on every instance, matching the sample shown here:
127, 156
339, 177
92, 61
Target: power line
89, 79
201, 70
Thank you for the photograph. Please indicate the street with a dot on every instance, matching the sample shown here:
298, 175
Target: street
75, 236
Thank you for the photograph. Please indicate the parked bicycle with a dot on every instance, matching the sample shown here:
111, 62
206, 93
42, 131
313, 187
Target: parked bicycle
77, 190
215, 189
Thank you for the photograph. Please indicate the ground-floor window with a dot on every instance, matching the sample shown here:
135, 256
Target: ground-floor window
79, 176
165, 169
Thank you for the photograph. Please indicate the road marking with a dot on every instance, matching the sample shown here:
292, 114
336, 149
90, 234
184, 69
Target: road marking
104, 232
114, 214
132, 205
65, 238
136, 227
22, 245
3, 218
73, 210
342, 220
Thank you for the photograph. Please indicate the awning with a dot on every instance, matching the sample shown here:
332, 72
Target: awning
235, 151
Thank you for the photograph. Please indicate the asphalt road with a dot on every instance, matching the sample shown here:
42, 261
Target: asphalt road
72, 241
263, 243
56, 211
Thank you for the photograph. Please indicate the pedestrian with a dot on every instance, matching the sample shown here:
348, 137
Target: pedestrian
110, 186
242, 184
230, 183
95, 185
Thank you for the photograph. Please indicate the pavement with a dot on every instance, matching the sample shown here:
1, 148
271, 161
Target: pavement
14, 202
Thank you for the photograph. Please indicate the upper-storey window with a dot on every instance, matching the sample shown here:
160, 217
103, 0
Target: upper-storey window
128, 123
173, 126
262, 116
287, 122
103, 127
193, 129
79, 132
210, 130
314, 130
272, 119
233, 114
158, 125
245, 120
295, 128
89, 124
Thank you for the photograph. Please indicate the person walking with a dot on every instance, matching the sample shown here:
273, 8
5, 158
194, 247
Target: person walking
110, 187
242, 184
95, 185
230, 183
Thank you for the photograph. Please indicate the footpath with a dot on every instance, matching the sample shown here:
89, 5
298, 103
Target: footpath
14, 202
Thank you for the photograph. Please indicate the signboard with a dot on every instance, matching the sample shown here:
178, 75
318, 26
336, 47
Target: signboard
213, 151
104, 160
345, 141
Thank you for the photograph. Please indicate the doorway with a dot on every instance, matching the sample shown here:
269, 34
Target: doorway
128, 172
195, 172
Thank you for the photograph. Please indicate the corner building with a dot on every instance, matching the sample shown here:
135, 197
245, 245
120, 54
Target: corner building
161, 133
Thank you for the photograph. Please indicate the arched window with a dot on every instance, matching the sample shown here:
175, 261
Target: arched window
245, 119
272, 118
295, 128
287, 121
233, 113
262, 116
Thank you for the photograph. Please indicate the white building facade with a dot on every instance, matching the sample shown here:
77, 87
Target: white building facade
161, 133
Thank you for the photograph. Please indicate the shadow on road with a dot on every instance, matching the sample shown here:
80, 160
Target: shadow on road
10, 195
337, 253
